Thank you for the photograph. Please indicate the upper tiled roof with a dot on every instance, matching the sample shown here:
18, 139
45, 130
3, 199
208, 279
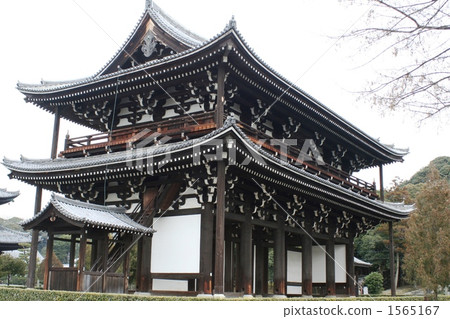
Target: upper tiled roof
91, 215
6, 196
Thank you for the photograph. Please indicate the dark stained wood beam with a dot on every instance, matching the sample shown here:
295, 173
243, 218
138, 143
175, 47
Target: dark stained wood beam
34, 241
279, 255
48, 260
246, 259
350, 265
220, 230
330, 267
56, 124
391, 260
307, 262
81, 261
206, 249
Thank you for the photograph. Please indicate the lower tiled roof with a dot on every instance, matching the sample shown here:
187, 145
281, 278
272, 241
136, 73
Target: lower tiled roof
91, 216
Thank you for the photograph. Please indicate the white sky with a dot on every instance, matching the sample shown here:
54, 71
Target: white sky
57, 40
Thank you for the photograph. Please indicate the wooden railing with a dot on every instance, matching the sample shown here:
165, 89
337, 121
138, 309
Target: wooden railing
176, 129
323, 170
93, 282
63, 278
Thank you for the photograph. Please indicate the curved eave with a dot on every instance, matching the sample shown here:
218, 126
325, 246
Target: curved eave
6, 196
289, 89
305, 181
91, 216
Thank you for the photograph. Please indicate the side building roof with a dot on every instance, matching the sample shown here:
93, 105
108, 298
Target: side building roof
81, 214
7, 196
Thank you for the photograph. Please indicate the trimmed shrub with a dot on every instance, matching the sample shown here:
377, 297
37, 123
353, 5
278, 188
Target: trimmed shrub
374, 281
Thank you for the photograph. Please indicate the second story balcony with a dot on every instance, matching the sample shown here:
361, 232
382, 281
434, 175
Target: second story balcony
189, 127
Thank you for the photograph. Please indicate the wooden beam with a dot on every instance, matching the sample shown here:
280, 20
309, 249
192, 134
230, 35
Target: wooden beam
279, 255
206, 249
219, 115
350, 263
260, 270
48, 260
307, 262
220, 230
391, 259
381, 183
81, 261
330, 267
73, 242
34, 241
55, 133
126, 262
228, 261
246, 263
104, 249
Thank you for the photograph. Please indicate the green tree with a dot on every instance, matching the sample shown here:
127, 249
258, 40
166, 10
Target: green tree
427, 257
11, 266
374, 281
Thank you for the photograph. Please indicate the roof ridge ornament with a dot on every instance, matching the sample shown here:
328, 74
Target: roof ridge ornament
232, 23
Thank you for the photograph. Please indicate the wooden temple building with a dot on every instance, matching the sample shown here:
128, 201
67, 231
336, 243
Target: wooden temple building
229, 162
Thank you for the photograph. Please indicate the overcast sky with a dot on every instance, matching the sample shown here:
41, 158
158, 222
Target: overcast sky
66, 39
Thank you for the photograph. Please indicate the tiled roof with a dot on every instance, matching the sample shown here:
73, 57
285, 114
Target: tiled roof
312, 182
6, 196
92, 215
9, 236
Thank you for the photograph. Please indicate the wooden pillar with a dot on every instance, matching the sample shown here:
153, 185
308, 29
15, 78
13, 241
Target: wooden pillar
55, 133
246, 259
144, 253
381, 183
126, 263
330, 267
104, 245
73, 242
391, 259
260, 270
279, 256
265, 288
81, 260
206, 249
220, 230
228, 261
220, 205
236, 265
34, 241
143, 276
307, 263
48, 260
350, 263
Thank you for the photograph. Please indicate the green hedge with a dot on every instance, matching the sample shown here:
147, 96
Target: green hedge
21, 294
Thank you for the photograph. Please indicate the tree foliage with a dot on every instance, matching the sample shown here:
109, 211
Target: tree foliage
374, 282
11, 266
427, 257
411, 39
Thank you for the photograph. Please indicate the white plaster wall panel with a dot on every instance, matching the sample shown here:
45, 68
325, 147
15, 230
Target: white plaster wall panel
170, 285
191, 202
294, 266
340, 264
318, 264
176, 245
294, 290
